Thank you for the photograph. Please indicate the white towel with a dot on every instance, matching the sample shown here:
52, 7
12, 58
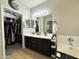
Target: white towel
55, 29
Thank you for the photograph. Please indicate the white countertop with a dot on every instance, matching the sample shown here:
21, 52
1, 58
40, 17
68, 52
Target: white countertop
64, 48
48, 36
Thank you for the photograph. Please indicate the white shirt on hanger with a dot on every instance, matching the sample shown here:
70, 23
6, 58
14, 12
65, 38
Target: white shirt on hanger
55, 28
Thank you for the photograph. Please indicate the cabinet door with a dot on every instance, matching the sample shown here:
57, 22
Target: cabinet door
70, 57
46, 46
38, 45
27, 42
33, 43
65, 56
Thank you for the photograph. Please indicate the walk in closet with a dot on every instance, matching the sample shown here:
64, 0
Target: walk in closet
12, 31
12, 28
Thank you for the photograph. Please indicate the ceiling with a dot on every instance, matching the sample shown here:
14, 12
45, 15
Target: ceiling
32, 3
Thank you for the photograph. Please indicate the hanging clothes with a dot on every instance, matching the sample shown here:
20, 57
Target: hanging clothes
13, 39
18, 30
9, 30
12, 30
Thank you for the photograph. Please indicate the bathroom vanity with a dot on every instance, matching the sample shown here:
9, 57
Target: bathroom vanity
39, 43
40, 36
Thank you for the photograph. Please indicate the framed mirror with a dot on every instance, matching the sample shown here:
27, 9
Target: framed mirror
43, 24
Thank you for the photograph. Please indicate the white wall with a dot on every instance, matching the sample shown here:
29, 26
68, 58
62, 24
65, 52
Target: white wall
66, 12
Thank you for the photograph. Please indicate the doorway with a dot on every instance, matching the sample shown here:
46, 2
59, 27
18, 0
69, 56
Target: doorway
12, 32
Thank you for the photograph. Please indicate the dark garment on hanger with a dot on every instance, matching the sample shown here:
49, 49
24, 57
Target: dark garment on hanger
9, 30
18, 30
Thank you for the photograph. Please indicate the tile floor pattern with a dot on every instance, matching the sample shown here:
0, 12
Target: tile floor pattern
16, 52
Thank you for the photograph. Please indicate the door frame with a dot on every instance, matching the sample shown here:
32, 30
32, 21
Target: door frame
2, 29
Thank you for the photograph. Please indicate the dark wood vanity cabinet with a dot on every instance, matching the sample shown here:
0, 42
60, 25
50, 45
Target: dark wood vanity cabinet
65, 56
39, 44
28, 42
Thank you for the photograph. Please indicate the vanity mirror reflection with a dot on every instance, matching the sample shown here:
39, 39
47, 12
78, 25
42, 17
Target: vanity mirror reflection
43, 24
27, 23
48, 23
